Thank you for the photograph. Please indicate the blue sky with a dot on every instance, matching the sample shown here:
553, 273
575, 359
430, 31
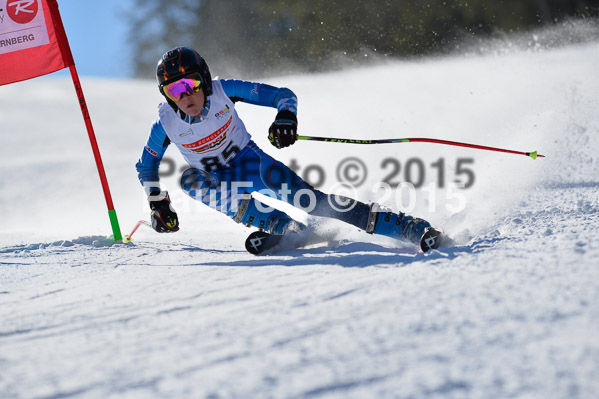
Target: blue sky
97, 34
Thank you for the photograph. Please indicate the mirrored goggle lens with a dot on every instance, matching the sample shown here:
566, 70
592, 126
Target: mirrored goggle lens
189, 85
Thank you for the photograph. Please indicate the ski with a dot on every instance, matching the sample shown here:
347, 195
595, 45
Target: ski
260, 242
431, 239
435, 239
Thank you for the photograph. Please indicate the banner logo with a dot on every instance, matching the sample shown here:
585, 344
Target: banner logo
22, 25
22, 11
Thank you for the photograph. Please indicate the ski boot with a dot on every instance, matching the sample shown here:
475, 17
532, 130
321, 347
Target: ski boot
273, 227
273, 222
403, 227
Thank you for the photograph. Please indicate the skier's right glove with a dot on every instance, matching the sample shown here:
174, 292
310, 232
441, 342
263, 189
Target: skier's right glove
164, 217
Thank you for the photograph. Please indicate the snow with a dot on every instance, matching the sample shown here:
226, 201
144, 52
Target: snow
511, 311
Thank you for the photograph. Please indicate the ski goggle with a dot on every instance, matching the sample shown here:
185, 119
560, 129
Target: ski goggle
189, 85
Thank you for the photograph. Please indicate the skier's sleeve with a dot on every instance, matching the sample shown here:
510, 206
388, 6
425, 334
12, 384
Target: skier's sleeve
260, 94
148, 163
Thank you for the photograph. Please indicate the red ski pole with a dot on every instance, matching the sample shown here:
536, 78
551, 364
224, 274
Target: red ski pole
532, 154
127, 237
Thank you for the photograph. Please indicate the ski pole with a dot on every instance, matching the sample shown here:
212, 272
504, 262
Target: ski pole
533, 154
127, 237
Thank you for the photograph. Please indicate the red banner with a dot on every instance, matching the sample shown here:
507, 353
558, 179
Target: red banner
32, 40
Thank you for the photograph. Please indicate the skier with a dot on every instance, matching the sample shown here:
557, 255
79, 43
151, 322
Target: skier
200, 119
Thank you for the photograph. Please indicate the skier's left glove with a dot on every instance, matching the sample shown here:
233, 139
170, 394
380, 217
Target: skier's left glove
283, 131
164, 217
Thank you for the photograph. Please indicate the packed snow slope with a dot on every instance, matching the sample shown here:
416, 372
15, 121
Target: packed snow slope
511, 311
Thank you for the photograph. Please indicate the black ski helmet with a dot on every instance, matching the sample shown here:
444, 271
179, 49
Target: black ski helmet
178, 63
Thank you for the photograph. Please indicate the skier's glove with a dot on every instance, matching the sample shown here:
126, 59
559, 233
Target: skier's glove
283, 131
164, 217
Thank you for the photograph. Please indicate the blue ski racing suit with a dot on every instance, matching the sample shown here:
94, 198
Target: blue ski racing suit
226, 167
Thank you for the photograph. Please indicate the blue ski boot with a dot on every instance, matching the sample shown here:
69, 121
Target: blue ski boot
273, 222
402, 227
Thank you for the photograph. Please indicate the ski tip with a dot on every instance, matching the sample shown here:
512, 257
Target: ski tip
431, 239
256, 242
435, 238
